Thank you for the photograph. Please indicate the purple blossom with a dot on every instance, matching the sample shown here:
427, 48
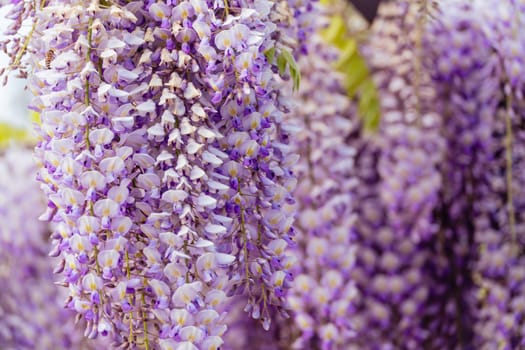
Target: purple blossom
322, 296
499, 223
31, 305
398, 190
165, 161
467, 76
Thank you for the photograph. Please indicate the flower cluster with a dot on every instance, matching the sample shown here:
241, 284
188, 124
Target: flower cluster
398, 190
165, 160
175, 155
466, 74
322, 293
500, 228
31, 311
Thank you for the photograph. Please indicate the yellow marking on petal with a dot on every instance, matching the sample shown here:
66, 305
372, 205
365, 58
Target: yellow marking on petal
250, 151
303, 323
69, 169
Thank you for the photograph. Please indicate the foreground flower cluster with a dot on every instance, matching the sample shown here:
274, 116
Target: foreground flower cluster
165, 161
178, 143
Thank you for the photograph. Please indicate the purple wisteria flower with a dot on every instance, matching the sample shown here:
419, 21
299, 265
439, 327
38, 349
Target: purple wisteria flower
500, 227
465, 71
31, 305
320, 299
323, 292
165, 161
398, 190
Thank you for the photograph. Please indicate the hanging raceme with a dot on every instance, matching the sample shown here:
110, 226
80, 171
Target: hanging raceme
165, 161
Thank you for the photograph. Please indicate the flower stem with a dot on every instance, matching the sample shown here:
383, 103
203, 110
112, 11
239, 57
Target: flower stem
226, 8
128, 273
418, 55
87, 98
508, 157
23, 49
144, 323
245, 243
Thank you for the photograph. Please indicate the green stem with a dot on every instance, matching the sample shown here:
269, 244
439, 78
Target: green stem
128, 273
87, 98
145, 324
245, 246
245, 241
226, 8
88, 58
23, 49
509, 176
418, 56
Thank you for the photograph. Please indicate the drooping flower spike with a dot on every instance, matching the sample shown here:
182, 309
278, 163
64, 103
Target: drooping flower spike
398, 190
465, 72
165, 161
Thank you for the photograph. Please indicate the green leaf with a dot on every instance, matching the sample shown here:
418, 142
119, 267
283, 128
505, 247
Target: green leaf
371, 117
356, 72
348, 51
9, 133
295, 73
270, 55
105, 3
336, 31
286, 60
352, 65
369, 107
281, 64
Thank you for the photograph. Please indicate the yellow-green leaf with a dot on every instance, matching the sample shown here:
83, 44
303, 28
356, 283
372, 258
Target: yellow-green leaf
281, 64
270, 55
9, 133
357, 80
